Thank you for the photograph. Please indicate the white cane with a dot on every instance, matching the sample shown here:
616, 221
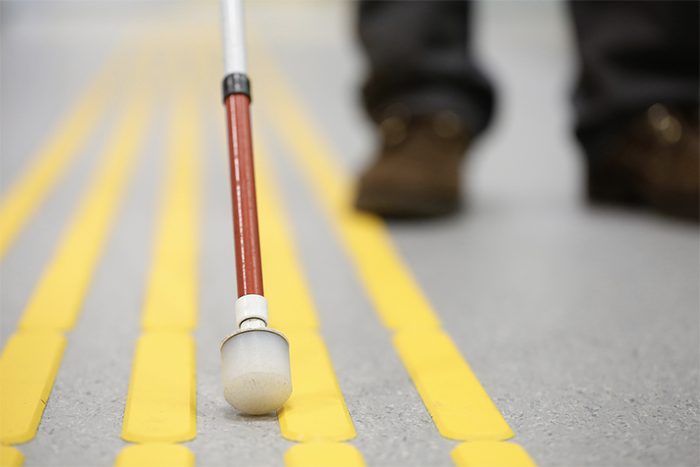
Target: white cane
255, 358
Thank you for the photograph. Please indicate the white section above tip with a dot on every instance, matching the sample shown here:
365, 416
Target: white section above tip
233, 30
251, 307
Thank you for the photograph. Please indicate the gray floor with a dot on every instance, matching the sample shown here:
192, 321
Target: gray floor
581, 322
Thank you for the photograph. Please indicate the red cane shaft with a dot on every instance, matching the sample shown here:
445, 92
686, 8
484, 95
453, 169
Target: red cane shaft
245, 212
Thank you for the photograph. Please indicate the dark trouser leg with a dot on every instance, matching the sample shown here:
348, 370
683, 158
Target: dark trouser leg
419, 56
633, 54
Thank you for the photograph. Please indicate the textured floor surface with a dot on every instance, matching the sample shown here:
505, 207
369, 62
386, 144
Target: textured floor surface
581, 323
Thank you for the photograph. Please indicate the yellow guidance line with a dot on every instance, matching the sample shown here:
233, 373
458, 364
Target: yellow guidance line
57, 299
171, 299
48, 166
161, 402
286, 289
10, 457
155, 455
28, 368
396, 295
491, 454
323, 454
458, 404
316, 411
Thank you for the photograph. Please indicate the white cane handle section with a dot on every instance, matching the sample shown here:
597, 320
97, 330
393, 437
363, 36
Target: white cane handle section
233, 29
251, 306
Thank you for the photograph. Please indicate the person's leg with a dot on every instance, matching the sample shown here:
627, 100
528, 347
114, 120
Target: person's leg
419, 57
637, 100
427, 97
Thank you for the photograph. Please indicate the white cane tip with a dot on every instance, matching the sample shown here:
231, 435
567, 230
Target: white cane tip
256, 371
257, 393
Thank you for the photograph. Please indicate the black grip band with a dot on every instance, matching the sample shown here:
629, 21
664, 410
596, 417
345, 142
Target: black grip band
236, 83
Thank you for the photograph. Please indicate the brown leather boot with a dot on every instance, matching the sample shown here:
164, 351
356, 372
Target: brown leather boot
656, 164
417, 173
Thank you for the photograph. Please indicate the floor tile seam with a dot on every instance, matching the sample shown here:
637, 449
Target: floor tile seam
305, 117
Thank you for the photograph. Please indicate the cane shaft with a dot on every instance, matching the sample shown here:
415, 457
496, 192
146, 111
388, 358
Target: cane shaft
245, 212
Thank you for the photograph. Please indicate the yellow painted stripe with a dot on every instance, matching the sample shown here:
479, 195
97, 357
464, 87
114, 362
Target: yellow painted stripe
10, 457
323, 454
395, 294
28, 368
155, 455
161, 403
291, 306
171, 299
316, 410
49, 164
57, 299
458, 403
491, 454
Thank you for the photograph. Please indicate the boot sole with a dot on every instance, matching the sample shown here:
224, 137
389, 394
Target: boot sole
406, 205
621, 187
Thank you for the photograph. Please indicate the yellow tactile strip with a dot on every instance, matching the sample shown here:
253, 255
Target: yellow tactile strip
171, 299
316, 411
155, 455
161, 405
395, 294
286, 288
31, 359
491, 454
441, 374
10, 457
24, 196
323, 454
58, 298
161, 401
29, 365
